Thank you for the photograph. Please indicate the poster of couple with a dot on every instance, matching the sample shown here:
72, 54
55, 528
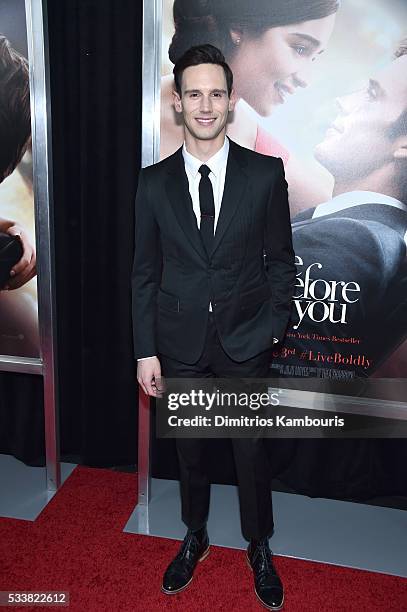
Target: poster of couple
323, 85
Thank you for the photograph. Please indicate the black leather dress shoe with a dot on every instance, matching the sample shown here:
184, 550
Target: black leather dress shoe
179, 573
267, 584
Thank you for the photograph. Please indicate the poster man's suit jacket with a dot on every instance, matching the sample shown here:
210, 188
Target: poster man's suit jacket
363, 244
174, 279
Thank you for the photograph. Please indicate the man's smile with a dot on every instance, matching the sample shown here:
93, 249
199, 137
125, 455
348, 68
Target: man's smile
205, 120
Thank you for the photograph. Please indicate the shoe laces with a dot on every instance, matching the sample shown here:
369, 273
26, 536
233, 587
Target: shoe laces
190, 544
263, 559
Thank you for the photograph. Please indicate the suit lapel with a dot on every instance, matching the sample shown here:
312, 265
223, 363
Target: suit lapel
235, 187
178, 194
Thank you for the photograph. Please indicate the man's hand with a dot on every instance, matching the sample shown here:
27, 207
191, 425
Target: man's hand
149, 376
25, 269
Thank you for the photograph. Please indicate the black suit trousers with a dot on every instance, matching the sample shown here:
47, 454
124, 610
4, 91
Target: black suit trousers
251, 461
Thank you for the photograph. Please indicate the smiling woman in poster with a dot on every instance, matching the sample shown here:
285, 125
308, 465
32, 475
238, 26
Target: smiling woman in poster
270, 46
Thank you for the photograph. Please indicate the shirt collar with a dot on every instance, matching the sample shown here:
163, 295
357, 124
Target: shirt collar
356, 198
214, 163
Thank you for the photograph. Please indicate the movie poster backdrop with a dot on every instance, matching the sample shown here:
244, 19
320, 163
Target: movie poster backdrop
323, 85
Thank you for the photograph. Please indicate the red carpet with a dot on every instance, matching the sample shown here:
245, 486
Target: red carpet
77, 545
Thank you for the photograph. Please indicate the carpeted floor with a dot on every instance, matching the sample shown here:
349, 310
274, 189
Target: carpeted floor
77, 545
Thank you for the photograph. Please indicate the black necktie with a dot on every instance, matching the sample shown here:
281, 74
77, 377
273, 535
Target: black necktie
207, 206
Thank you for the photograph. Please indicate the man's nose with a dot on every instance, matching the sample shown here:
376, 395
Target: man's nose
206, 104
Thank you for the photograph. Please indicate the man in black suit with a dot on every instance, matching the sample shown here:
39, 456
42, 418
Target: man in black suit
203, 303
350, 298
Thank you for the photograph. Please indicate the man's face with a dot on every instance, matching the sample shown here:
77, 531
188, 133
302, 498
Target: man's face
204, 101
359, 141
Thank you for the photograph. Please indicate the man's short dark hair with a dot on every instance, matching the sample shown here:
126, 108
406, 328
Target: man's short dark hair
201, 54
15, 116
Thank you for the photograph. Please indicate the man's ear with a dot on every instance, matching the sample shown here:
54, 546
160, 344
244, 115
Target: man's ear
400, 153
236, 35
400, 149
232, 100
177, 101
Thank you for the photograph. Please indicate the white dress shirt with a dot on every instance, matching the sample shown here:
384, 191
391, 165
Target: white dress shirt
217, 165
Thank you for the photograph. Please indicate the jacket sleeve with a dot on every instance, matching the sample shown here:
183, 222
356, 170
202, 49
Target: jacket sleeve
146, 273
280, 259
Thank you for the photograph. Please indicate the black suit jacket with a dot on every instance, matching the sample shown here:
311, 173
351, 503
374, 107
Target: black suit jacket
363, 244
173, 278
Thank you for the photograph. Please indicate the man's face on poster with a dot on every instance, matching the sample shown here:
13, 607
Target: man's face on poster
362, 139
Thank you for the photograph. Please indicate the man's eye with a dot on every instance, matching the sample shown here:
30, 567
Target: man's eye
301, 50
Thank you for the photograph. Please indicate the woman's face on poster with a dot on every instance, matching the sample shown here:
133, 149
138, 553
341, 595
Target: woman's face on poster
269, 68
